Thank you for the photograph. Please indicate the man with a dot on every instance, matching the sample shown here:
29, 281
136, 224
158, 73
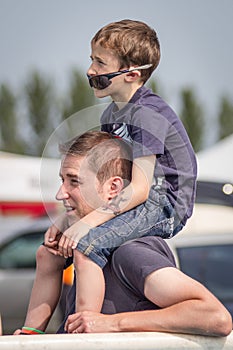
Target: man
144, 289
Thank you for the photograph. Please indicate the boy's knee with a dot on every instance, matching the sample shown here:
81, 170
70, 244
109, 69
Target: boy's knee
79, 259
82, 262
41, 254
48, 261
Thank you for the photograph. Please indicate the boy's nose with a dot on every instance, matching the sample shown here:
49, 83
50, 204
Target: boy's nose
91, 70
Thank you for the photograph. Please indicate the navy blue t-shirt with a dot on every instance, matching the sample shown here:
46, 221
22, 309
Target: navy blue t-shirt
125, 276
152, 127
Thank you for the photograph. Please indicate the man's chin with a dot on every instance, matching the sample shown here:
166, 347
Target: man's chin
71, 219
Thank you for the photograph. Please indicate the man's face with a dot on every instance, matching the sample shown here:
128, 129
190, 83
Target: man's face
80, 191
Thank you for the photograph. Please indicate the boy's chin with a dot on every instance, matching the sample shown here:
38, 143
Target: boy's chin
100, 93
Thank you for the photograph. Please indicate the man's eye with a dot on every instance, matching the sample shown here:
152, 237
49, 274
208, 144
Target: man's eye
75, 182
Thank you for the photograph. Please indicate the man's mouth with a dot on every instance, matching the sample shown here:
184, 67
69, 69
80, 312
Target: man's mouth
69, 209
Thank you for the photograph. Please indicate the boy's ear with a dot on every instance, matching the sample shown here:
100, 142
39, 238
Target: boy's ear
132, 76
115, 186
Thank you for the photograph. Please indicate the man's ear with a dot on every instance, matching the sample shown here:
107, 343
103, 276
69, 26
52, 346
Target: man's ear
114, 186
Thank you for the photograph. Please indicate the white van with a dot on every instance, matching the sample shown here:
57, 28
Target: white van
204, 249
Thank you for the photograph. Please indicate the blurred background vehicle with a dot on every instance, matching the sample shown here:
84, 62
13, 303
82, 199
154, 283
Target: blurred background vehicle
204, 248
20, 237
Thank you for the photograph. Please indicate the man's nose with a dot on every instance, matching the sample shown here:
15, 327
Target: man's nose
62, 193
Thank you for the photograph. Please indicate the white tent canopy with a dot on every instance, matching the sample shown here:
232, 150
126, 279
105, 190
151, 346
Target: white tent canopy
21, 178
30, 178
216, 163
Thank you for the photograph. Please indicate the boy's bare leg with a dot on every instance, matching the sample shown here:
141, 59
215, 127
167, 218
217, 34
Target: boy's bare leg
0, 325
90, 284
46, 289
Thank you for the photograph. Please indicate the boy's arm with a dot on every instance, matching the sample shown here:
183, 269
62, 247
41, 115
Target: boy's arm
134, 194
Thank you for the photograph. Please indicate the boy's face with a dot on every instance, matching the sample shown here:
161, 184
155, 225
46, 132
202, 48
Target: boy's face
105, 61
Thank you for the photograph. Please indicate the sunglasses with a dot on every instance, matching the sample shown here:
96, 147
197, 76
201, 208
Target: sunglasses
102, 81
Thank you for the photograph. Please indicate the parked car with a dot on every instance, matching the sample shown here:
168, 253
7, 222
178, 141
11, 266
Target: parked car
204, 249
19, 240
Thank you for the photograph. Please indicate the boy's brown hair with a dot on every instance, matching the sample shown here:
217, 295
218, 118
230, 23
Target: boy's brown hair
134, 42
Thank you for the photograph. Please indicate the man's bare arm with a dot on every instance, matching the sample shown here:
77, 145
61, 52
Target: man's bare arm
186, 307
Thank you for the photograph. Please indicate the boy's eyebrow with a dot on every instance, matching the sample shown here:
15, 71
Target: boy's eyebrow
97, 58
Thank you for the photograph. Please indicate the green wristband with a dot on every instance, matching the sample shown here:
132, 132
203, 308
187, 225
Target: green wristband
31, 330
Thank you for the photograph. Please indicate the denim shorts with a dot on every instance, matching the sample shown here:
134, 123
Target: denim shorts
155, 217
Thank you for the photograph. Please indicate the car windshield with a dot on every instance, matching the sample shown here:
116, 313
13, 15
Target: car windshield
212, 266
20, 252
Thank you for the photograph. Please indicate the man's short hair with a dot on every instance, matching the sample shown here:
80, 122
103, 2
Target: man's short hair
106, 154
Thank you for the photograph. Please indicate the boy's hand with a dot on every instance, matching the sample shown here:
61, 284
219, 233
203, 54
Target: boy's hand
54, 233
69, 240
66, 246
52, 243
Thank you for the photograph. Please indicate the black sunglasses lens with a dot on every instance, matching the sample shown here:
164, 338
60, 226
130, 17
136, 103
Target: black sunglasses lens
99, 82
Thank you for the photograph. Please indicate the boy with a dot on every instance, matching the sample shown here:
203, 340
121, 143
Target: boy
160, 197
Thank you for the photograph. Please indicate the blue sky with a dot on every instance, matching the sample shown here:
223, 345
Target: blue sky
54, 35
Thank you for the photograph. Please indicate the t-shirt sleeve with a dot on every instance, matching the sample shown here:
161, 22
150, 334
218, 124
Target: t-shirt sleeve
135, 260
148, 131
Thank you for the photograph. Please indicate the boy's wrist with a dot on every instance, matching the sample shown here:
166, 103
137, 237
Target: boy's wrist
31, 331
77, 230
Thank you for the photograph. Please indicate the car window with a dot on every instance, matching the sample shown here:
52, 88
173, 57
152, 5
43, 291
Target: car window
213, 193
20, 252
212, 266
